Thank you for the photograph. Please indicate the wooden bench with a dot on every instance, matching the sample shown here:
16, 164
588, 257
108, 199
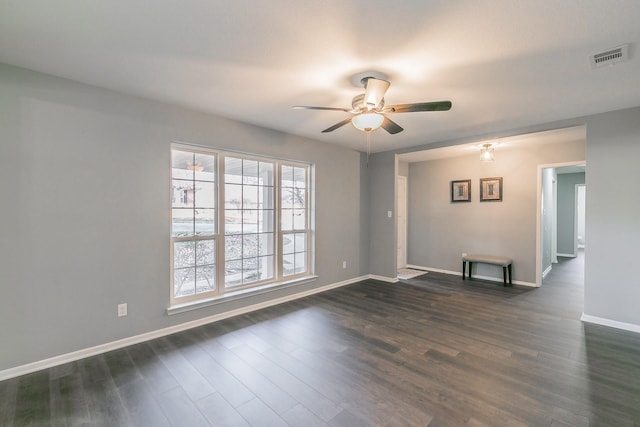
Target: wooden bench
502, 261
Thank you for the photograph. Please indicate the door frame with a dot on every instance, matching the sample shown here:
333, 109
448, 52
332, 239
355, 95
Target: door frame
576, 213
539, 247
401, 229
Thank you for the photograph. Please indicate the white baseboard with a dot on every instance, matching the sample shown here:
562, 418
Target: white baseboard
567, 255
610, 323
546, 271
500, 280
383, 278
435, 270
475, 276
136, 339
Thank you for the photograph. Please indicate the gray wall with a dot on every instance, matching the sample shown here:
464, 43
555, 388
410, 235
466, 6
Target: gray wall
566, 211
85, 220
382, 229
439, 231
85, 211
364, 214
612, 291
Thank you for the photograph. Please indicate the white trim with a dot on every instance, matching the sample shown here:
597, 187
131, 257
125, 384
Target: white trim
402, 212
554, 218
501, 281
136, 339
435, 270
457, 273
577, 211
568, 255
610, 323
575, 219
546, 271
383, 278
242, 293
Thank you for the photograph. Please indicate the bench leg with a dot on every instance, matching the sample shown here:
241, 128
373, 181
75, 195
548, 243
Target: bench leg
464, 269
504, 276
470, 267
510, 282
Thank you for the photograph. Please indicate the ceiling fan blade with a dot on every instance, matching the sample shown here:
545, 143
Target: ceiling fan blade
418, 106
391, 126
306, 107
374, 92
337, 125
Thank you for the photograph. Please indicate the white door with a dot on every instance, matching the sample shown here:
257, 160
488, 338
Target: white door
402, 222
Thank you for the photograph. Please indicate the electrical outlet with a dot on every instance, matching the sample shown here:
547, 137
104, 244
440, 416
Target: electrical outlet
389, 214
344, 264
122, 309
464, 254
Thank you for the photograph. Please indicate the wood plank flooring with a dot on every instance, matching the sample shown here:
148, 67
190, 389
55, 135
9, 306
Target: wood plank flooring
429, 351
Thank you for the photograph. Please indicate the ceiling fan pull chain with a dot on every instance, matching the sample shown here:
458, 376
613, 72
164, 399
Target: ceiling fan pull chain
368, 146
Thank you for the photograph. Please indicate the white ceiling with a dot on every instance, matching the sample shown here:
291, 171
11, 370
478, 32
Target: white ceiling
504, 64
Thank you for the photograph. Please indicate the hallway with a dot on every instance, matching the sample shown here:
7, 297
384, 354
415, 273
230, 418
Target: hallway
567, 271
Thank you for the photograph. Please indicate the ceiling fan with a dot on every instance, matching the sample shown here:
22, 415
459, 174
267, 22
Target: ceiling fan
369, 111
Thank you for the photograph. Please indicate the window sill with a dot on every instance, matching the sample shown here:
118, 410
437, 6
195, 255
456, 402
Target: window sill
236, 295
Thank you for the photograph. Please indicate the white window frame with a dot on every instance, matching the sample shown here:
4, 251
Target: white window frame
221, 162
195, 238
307, 223
221, 290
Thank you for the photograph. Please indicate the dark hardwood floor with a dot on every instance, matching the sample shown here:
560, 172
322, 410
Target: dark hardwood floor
433, 351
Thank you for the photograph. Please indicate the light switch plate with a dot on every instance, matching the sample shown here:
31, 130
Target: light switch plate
122, 309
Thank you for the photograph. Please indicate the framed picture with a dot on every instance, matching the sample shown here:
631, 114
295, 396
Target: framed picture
491, 189
461, 191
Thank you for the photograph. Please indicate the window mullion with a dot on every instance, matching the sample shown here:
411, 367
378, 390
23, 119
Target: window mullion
221, 245
277, 214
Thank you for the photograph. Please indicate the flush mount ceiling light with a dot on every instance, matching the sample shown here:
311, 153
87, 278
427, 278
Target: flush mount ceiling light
367, 122
486, 153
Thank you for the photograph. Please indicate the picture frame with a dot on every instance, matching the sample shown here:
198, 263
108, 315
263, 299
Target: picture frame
491, 189
461, 191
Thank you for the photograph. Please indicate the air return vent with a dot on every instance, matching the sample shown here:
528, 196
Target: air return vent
610, 57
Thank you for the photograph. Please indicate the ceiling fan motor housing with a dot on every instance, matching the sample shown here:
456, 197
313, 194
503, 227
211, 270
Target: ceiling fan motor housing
358, 105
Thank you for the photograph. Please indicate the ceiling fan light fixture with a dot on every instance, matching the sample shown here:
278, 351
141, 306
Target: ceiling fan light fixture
367, 122
369, 110
486, 153
374, 91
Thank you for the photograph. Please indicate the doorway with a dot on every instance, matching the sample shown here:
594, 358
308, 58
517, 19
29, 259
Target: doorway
560, 210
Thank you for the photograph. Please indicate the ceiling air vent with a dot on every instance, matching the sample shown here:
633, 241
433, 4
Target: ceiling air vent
610, 57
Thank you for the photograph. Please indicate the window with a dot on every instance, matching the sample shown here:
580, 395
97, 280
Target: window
259, 235
293, 219
248, 221
193, 225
